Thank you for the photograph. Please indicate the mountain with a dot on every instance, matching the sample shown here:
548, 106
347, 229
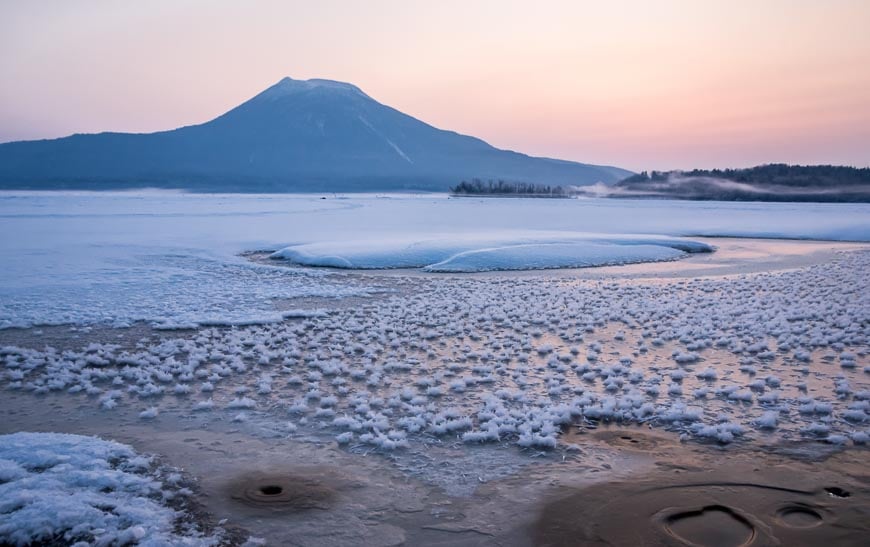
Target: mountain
294, 136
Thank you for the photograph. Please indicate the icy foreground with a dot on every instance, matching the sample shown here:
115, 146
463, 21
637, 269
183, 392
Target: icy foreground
75, 490
515, 361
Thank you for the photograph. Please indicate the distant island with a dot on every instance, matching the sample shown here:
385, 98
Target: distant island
508, 189
773, 182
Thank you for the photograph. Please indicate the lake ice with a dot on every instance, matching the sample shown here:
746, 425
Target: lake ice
484, 358
412, 361
173, 258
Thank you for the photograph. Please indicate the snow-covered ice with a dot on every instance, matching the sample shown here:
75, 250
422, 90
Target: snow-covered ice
76, 490
506, 251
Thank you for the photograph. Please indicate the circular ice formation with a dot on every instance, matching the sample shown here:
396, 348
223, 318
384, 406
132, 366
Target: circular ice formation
282, 491
711, 525
799, 516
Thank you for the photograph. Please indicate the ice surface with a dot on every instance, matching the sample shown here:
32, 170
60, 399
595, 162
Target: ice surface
514, 360
507, 251
552, 255
172, 258
63, 489
511, 361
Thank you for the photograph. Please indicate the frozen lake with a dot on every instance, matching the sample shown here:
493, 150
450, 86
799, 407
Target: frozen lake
173, 258
443, 398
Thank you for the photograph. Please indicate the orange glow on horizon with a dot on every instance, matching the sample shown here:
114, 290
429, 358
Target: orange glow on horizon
642, 85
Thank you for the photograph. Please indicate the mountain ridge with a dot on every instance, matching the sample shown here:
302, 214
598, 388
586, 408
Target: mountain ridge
296, 135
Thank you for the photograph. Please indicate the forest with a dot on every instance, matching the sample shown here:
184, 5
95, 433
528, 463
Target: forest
772, 182
770, 174
477, 187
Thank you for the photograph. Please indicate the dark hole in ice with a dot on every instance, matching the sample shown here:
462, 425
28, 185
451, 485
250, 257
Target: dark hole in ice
271, 490
837, 492
283, 491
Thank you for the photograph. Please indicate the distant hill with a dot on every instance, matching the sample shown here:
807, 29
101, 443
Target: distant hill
773, 182
313, 135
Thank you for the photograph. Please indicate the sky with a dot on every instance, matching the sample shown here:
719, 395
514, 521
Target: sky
665, 84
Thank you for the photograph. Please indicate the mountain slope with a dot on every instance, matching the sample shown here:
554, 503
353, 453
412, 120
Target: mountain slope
294, 136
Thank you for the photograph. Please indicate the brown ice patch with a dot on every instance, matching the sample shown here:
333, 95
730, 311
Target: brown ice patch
710, 525
740, 505
708, 496
631, 438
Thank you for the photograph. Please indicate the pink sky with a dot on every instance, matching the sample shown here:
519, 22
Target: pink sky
642, 85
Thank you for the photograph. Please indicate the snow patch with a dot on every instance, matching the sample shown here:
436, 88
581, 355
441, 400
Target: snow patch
517, 251
70, 489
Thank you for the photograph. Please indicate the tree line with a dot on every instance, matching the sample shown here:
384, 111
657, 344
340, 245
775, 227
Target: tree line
477, 186
773, 174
